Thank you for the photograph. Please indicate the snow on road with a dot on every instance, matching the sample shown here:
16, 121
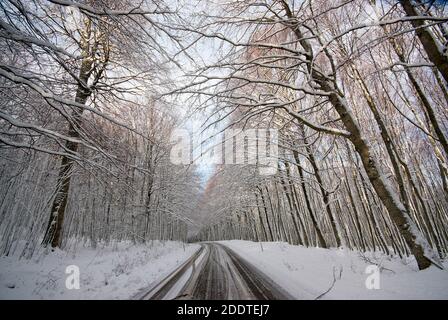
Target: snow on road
119, 272
306, 273
116, 272
215, 273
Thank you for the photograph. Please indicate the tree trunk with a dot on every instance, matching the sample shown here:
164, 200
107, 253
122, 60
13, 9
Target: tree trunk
427, 39
320, 237
54, 228
324, 193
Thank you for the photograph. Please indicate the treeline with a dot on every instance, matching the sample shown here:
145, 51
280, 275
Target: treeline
138, 196
321, 202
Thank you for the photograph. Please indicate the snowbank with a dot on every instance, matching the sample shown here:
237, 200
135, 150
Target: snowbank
116, 272
307, 273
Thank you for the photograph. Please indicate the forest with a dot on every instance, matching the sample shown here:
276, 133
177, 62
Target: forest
93, 91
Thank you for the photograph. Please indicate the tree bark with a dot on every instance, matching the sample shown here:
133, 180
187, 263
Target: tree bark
324, 193
427, 39
54, 228
320, 237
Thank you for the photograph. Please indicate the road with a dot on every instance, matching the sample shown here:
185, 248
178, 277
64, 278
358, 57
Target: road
215, 272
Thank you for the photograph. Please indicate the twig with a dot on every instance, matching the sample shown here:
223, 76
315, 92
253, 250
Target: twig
333, 283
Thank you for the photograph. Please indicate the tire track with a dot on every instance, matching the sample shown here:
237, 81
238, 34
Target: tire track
216, 272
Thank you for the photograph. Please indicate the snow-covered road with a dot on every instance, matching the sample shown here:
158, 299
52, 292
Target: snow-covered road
233, 269
215, 272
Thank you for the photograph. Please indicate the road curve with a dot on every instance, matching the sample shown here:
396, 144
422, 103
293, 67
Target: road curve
215, 272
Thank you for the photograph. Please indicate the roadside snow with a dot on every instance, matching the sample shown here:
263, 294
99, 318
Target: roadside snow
115, 272
306, 273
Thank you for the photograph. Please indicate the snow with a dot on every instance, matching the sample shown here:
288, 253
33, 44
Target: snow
306, 273
175, 290
419, 239
114, 272
122, 270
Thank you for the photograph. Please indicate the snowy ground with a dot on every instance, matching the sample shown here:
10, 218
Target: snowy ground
306, 273
119, 272
116, 272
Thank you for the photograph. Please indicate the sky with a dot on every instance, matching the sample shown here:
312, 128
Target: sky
206, 51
